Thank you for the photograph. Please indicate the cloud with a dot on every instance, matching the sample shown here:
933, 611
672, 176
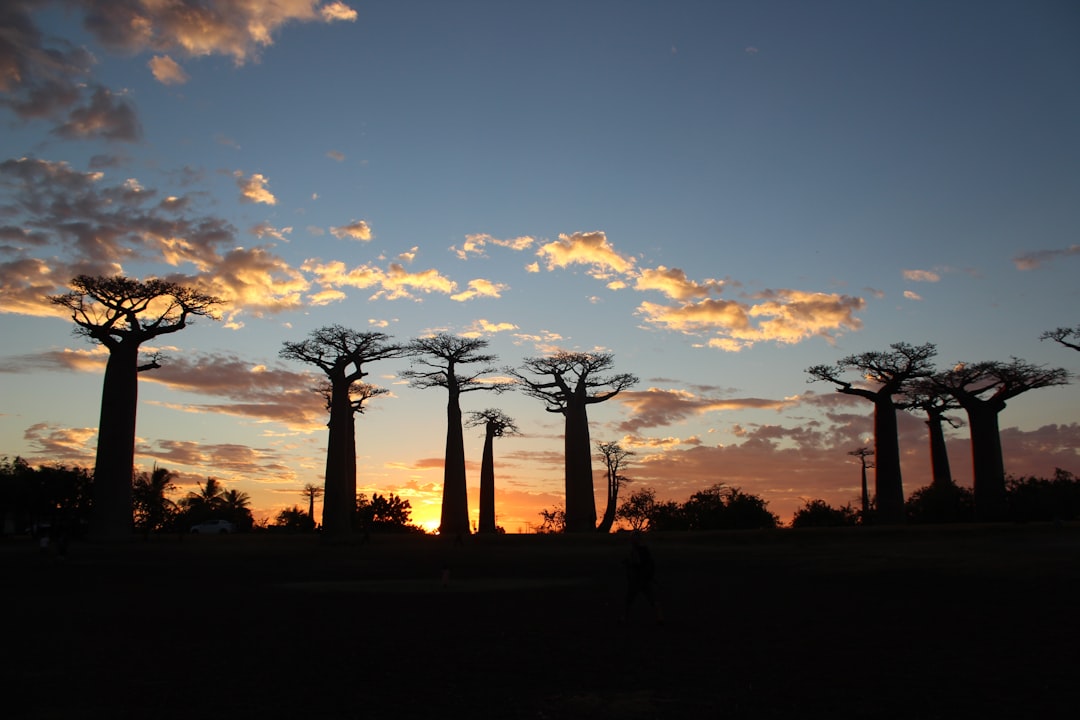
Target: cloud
106, 116
657, 407
921, 276
357, 230
234, 29
265, 229
912, 295
394, 283
589, 248
475, 244
60, 444
166, 71
335, 155
1032, 260
480, 288
485, 327
784, 316
253, 189
674, 283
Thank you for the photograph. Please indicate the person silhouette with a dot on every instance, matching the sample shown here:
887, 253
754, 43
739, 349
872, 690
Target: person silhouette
640, 576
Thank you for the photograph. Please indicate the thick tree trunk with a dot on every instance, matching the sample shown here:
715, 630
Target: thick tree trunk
114, 466
987, 461
487, 484
455, 504
939, 456
580, 502
888, 485
339, 496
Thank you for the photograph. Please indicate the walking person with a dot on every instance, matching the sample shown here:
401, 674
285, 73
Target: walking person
640, 576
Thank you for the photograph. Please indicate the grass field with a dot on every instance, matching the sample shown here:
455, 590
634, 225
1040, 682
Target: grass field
951, 622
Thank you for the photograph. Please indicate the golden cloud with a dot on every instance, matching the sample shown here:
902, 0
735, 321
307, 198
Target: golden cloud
357, 230
166, 71
253, 189
589, 248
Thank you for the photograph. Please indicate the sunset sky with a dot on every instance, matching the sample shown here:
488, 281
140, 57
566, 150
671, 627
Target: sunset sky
721, 194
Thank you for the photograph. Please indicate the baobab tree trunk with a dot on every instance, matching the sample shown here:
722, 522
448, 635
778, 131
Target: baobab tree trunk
487, 483
888, 485
114, 465
339, 496
939, 455
608, 518
580, 502
455, 505
987, 463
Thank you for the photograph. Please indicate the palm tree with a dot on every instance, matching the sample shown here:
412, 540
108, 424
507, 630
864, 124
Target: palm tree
201, 504
153, 509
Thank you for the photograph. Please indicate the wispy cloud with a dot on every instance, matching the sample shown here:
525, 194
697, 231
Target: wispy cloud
476, 244
922, 276
1032, 260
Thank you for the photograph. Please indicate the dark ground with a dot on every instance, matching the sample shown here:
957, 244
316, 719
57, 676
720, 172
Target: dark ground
955, 622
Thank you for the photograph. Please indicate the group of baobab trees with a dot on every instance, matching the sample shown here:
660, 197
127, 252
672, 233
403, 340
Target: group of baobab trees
904, 378
122, 313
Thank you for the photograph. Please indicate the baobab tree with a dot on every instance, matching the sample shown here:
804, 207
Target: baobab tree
437, 362
496, 424
887, 374
311, 492
982, 390
614, 457
122, 313
863, 453
574, 382
925, 395
342, 355
1063, 336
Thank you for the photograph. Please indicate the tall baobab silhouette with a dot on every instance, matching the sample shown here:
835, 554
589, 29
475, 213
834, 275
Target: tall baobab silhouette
311, 491
886, 373
863, 453
574, 382
496, 424
437, 362
614, 457
982, 389
1062, 336
122, 313
342, 355
925, 395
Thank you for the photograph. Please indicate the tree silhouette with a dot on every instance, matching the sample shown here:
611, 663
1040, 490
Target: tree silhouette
311, 492
982, 389
638, 509
200, 505
1062, 336
122, 314
496, 424
153, 509
862, 453
887, 373
925, 395
235, 504
614, 456
437, 363
341, 354
575, 383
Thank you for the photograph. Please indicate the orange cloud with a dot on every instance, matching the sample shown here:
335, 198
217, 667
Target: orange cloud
475, 244
480, 288
589, 248
253, 189
674, 283
166, 71
357, 230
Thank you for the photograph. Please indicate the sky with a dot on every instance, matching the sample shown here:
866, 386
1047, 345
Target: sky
720, 194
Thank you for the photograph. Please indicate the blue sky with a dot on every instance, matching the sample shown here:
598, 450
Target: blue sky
720, 194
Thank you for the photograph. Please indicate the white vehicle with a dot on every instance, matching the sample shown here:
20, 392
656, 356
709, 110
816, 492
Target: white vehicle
213, 527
